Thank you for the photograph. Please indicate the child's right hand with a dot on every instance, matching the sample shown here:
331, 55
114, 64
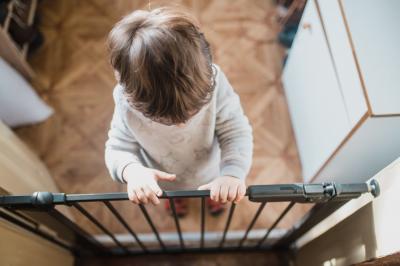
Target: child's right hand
142, 184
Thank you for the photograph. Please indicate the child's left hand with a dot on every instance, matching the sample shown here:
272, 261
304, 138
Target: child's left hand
226, 188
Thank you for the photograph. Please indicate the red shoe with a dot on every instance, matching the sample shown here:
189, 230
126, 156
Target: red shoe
181, 207
215, 208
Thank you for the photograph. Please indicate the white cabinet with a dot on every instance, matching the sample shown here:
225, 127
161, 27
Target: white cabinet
340, 124
375, 31
342, 58
313, 94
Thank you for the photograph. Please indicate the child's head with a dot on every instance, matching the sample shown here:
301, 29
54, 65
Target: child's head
164, 63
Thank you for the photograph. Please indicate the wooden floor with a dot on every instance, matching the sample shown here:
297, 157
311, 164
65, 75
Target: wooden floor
74, 77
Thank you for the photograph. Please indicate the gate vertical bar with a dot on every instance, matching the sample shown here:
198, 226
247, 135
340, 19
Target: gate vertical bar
228, 222
203, 221
124, 223
287, 209
178, 227
319, 212
23, 216
99, 225
259, 210
35, 230
327, 196
93, 243
150, 222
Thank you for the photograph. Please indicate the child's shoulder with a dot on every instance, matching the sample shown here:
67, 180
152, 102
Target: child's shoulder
216, 71
118, 92
222, 85
217, 77
119, 98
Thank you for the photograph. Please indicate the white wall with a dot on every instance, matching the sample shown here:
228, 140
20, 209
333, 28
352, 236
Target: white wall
362, 229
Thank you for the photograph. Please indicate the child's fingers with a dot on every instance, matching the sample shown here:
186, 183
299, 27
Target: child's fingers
164, 176
132, 196
241, 193
214, 192
233, 191
223, 193
151, 195
156, 188
141, 196
205, 187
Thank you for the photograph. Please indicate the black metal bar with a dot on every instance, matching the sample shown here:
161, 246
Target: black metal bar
124, 196
150, 222
28, 201
259, 210
228, 223
23, 216
314, 216
282, 192
343, 193
99, 225
311, 193
329, 196
203, 221
125, 224
287, 209
178, 227
36, 230
90, 242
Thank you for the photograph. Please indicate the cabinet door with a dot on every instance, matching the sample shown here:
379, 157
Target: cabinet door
374, 29
343, 59
316, 104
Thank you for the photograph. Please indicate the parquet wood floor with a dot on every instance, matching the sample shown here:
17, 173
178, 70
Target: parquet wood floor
73, 76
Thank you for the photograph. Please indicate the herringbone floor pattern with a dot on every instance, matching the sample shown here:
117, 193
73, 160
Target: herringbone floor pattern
74, 76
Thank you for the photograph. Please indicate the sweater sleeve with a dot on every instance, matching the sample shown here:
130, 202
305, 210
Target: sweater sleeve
233, 131
121, 147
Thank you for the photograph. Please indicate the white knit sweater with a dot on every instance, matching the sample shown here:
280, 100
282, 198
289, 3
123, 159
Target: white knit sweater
216, 141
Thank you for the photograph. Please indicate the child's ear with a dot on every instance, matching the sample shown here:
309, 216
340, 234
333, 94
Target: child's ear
117, 76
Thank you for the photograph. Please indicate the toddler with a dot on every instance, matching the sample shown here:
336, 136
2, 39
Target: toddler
177, 123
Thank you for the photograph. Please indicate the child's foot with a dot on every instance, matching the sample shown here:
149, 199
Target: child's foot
181, 207
215, 208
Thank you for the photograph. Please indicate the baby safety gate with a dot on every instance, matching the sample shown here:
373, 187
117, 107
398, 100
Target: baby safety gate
327, 197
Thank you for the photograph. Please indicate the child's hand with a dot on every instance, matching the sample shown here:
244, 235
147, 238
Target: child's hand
226, 188
142, 184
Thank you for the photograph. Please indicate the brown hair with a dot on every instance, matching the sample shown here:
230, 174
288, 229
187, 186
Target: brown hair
164, 63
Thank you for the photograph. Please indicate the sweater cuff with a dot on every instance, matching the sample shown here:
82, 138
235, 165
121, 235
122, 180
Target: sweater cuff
234, 171
121, 168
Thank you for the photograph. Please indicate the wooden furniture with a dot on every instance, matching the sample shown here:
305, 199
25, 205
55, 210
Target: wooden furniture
342, 84
9, 50
20, 247
21, 171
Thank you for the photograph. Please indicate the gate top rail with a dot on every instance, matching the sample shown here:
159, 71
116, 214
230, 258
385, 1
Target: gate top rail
299, 193
328, 197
